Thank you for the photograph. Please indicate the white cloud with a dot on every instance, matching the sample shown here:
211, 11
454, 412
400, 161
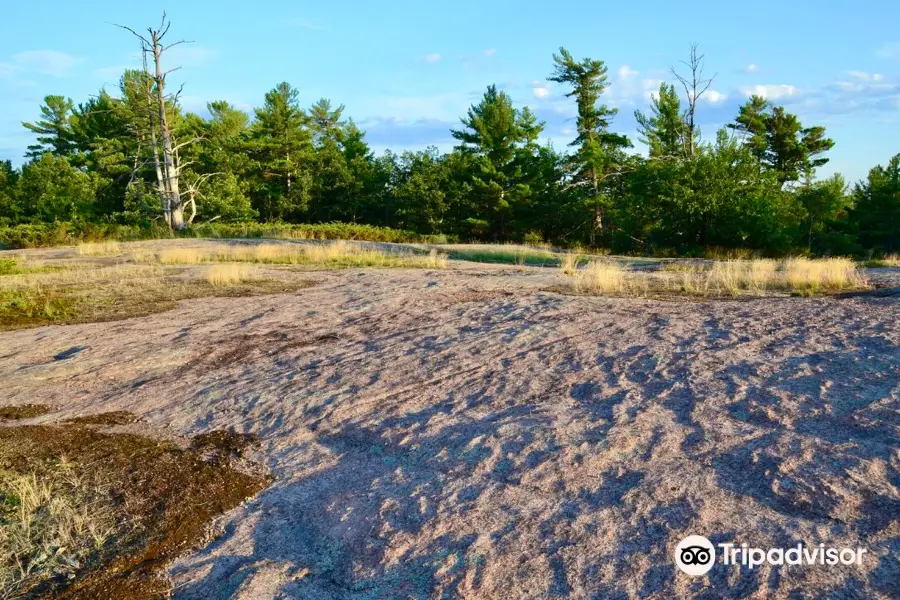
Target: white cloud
46, 62
770, 92
432, 58
541, 92
751, 68
714, 97
889, 50
650, 88
490, 52
869, 84
626, 72
863, 76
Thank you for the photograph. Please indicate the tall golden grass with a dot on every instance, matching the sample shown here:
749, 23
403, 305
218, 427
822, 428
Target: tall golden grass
828, 274
568, 264
733, 277
326, 254
229, 274
609, 278
99, 249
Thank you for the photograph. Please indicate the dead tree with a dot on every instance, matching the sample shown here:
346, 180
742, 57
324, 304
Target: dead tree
694, 87
165, 147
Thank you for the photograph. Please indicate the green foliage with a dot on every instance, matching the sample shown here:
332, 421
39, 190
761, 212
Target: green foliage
876, 215
39, 235
9, 266
600, 155
826, 203
92, 174
717, 197
499, 139
50, 189
779, 141
279, 149
54, 129
663, 130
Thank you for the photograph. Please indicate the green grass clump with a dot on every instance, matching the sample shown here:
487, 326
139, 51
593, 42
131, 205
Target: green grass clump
512, 256
10, 266
29, 305
891, 260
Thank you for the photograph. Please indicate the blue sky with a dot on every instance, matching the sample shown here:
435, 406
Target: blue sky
407, 71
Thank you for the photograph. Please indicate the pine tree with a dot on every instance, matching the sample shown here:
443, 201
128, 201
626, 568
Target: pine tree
663, 130
54, 129
281, 142
752, 124
499, 137
780, 142
599, 150
877, 210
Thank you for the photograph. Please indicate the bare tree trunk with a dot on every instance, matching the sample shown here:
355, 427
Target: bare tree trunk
165, 149
157, 166
694, 86
170, 169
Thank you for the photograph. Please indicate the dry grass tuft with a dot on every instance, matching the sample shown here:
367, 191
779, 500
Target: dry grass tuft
100, 249
229, 274
50, 525
802, 274
568, 264
176, 256
609, 278
436, 260
726, 278
756, 277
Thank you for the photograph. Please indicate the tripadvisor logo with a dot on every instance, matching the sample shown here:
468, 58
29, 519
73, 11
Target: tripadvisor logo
696, 555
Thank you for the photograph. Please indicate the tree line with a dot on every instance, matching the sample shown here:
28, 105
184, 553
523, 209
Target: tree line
135, 157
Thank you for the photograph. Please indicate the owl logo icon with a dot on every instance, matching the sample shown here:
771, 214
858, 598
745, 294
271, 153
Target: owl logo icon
695, 555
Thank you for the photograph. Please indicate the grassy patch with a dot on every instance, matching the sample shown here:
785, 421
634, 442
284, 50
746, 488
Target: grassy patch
9, 266
12, 266
87, 514
84, 295
229, 274
142, 281
514, 255
100, 249
798, 276
891, 260
52, 523
33, 306
336, 254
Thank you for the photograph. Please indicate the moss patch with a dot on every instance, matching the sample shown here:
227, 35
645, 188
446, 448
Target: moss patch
25, 411
162, 499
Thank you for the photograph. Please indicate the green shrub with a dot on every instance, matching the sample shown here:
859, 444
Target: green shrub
533, 238
67, 234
